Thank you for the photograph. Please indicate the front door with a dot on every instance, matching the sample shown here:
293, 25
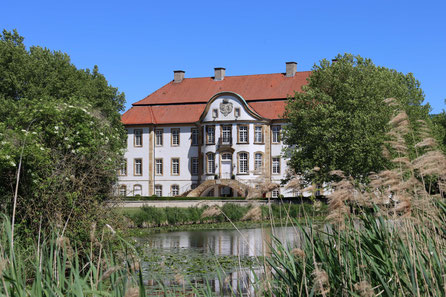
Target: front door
226, 165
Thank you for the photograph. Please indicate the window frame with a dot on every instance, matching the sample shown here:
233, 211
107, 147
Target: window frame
207, 164
262, 162
279, 128
238, 133
239, 164
192, 130
171, 190
161, 190
215, 113
172, 130
192, 172
125, 190
171, 166
222, 128
237, 112
279, 165
136, 136
162, 167
137, 185
262, 141
276, 190
159, 132
124, 161
207, 134
134, 167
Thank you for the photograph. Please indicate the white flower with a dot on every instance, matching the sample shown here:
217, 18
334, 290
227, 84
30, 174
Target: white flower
66, 138
35, 133
12, 163
41, 148
56, 127
73, 151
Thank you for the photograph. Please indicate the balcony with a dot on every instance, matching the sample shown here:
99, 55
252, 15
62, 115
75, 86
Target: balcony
224, 143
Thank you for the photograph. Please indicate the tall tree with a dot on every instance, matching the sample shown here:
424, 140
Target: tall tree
340, 120
62, 125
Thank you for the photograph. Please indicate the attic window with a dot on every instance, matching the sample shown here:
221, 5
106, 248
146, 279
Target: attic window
236, 112
225, 101
215, 113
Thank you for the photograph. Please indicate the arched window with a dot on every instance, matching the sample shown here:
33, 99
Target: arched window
175, 190
123, 190
159, 190
243, 167
137, 190
210, 164
258, 163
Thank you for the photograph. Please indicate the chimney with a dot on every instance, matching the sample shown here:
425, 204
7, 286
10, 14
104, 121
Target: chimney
178, 76
219, 73
291, 68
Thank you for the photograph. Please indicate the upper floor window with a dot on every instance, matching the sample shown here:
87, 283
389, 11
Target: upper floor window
243, 134
137, 137
137, 167
175, 166
243, 163
159, 166
194, 136
275, 134
258, 162
175, 190
258, 134
137, 190
175, 137
159, 190
210, 134
159, 137
226, 133
210, 168
123, 167
194, 166
276, 165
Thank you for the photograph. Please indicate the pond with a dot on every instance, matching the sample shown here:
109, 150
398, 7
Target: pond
224, 261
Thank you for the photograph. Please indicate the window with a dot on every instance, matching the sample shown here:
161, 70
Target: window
123, 167
276, 134
258, 163
226, 134
159, 137
275, 193
243, 163
276, 165
226, 156
210, 134
210, 163
175, 166
194, 136
138, 167
215, 113
159, 166
175, 190
175, 137
122, 190
194, 166
258, 134
159, 190
236, 112
137, 190
243, 134
137, 137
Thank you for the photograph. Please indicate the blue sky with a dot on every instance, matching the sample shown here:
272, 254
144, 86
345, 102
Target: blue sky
138, 44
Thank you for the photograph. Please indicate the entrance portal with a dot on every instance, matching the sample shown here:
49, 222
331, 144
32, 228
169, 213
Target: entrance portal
226, 165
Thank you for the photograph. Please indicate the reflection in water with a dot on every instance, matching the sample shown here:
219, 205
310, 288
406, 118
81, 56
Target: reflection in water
192, 248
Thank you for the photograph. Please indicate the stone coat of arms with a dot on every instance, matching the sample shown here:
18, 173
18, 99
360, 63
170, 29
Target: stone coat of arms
225, 107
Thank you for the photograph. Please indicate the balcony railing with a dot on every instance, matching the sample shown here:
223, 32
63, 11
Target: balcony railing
224, 142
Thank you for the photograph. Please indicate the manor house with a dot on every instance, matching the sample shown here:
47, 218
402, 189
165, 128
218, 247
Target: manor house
209, 136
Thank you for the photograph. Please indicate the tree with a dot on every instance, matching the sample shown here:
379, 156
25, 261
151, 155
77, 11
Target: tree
439, 128
340, 120
63, 125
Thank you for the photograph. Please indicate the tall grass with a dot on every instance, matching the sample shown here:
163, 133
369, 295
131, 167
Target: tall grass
54, 268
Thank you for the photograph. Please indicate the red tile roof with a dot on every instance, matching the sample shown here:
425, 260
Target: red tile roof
184, 102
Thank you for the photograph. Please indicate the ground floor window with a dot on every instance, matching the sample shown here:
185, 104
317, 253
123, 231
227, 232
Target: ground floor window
123, 190
275, 193
137, 190
175, 190
159, 190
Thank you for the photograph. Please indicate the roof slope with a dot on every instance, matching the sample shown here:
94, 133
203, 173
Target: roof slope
250, 87
184, 102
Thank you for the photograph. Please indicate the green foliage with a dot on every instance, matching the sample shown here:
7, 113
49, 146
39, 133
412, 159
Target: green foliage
67, 122
234, 212
439, 129
340, 121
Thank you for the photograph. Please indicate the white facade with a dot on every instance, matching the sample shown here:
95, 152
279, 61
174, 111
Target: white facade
230, 141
